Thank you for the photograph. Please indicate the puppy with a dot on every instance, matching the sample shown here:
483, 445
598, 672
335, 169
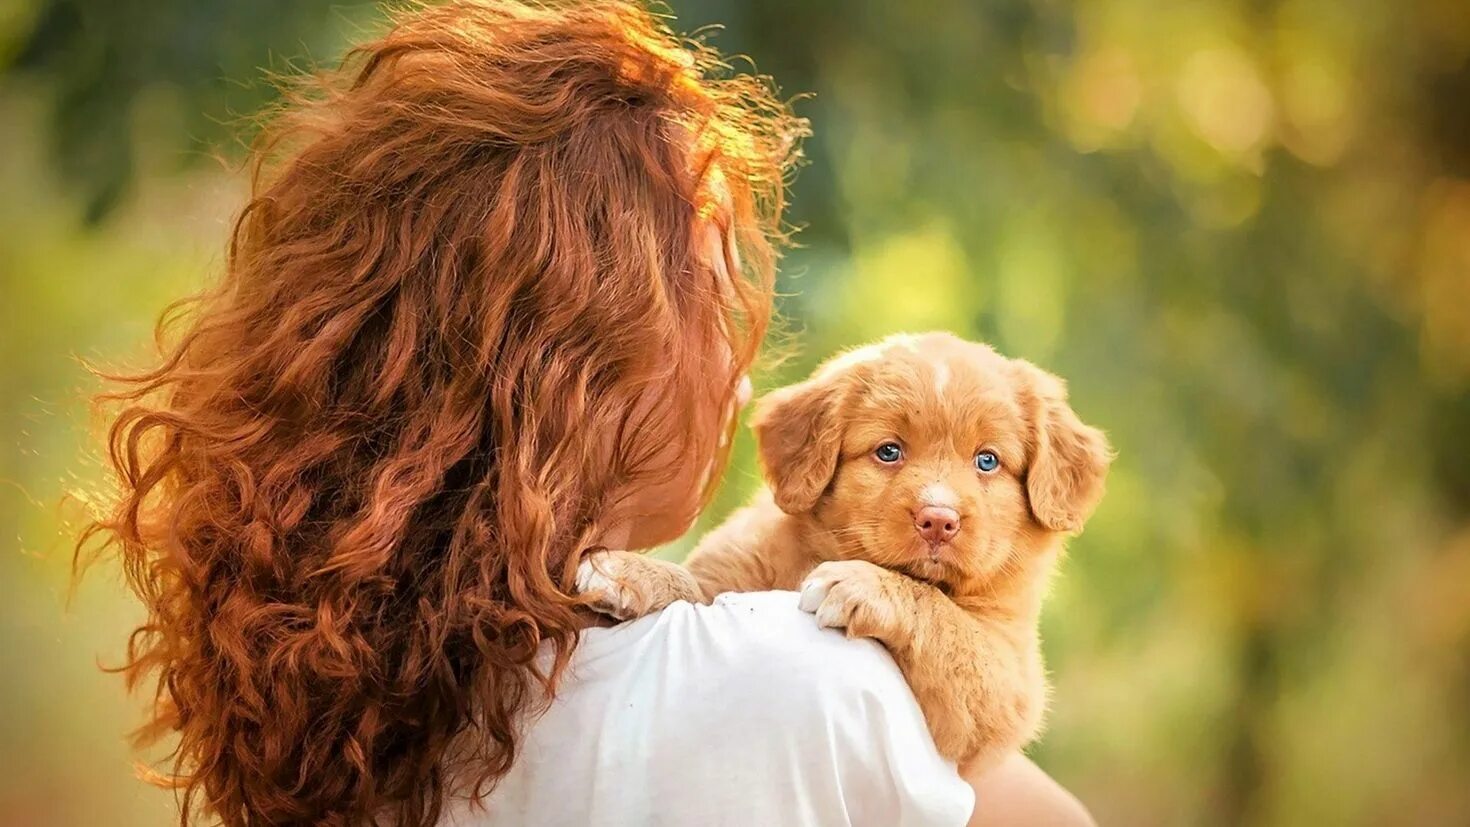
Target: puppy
920, 490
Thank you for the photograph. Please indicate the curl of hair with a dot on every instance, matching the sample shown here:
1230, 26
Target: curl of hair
353, 492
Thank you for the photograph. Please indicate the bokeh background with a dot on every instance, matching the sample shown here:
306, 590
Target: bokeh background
1240, 227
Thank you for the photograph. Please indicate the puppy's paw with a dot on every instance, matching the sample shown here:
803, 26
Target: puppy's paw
597, 578
625, 585
855, 595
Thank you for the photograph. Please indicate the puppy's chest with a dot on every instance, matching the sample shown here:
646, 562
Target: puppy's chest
791, 547
800, 544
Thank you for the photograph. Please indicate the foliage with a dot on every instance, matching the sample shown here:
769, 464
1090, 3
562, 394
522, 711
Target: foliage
105, 57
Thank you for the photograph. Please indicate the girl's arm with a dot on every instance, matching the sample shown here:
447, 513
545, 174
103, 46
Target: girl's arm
1016, 792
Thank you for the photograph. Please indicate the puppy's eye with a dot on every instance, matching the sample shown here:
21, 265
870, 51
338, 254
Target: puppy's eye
986, 462
889, 452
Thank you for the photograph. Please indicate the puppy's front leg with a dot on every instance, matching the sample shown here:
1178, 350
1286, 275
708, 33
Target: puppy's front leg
978, 680
626, 585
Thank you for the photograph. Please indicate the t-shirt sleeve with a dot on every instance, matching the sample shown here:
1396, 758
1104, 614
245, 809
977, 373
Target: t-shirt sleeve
858, 747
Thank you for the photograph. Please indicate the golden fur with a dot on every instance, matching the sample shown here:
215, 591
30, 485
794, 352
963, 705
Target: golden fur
960, 617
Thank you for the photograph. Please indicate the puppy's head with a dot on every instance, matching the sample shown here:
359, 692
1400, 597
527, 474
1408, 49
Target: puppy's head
933, 456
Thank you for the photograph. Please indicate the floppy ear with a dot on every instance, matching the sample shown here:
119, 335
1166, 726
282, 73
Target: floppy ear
1069, 460
799, 439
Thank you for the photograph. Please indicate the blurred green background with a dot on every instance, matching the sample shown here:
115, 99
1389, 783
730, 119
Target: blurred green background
1241, 230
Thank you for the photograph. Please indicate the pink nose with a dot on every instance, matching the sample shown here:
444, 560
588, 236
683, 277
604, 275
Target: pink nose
937, 524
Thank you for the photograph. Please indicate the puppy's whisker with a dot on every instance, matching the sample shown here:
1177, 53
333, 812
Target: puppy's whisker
853, 527
856, 532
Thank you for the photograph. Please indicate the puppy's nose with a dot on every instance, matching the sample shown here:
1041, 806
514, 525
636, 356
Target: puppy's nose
937, 524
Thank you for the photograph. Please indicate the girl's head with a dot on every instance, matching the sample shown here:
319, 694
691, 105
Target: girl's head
492, 301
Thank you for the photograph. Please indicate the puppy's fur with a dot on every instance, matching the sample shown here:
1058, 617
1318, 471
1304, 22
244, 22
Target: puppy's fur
960, 616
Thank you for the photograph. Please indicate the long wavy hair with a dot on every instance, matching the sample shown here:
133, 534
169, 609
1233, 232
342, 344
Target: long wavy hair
465, 308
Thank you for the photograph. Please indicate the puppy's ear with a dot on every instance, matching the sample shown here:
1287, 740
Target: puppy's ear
1069, 459
799, 438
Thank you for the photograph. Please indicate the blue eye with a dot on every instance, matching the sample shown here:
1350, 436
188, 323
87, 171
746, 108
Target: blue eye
987, 461
889, 452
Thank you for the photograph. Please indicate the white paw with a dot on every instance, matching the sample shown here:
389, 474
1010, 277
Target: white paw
849, 595
599, 574
813, 592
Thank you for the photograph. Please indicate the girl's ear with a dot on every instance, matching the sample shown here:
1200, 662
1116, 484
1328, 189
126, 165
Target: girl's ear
1070, 460
799, 438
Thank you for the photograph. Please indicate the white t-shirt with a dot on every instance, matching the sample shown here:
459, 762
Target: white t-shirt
743, 712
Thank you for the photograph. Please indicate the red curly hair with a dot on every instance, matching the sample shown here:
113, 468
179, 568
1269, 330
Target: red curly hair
465, 308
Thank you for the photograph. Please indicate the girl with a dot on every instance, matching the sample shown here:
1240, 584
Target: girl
489, 307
